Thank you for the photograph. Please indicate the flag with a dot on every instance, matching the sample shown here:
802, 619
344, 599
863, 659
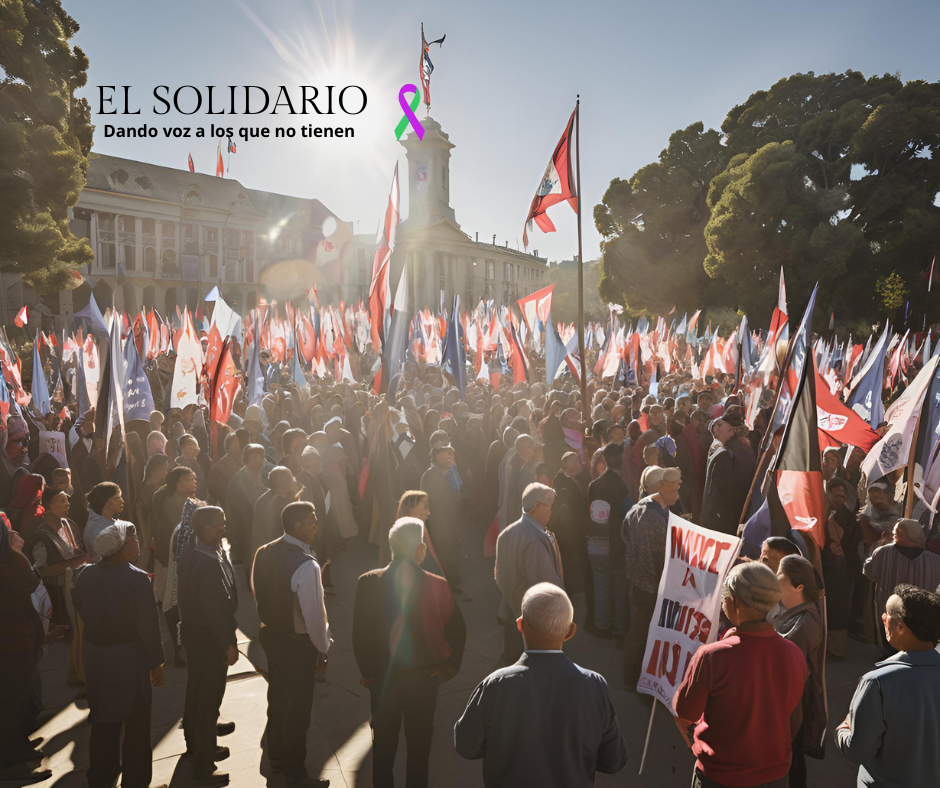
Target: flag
93, 314
865, 395
797, 469
536, 308
22, 317
255, 375
40, 389
219, 165
454, 357
894, 449
396, 345
224, 385
381, 265
930, 278
189, 364
558, 183
425, 66
189, 162
838, 423
231, 145
832, 320
555, 352
138, 398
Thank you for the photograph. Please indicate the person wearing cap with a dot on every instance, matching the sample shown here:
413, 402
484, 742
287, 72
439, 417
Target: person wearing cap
893, 723
123, 658
879, 515
726, 483
643, 534
905, 561
739, 705
609, 500
446, 517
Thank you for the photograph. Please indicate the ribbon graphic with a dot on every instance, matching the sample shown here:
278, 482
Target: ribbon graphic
409, 116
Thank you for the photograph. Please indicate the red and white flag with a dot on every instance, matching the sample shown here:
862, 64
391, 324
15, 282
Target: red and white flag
558, 184
384, 246
22, 317
189, 162
219, 164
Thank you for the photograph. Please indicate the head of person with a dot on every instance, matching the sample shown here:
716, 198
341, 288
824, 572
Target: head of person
651, 455
909, 533
775, 549
537, 502
571, 419
189, 446
156, 469
509, 437
118, 543
182, 481
414, 504
547, 619
311, 461
253, 457
615, 434
613, 456
443, 457
61, 479
634, 430
299, 519
56, 504
156, 420
571, 464
721, 430
668, 489
209, 525
294, 441
878, 496
406, 540
750, 592
837, 492
232, 445
705, 401
106, 499
684, 404
156, 443
282, 482
912, 619
797, 580
831, 460
252, 420
656, 415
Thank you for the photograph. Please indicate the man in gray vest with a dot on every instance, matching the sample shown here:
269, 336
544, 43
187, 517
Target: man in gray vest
285, 580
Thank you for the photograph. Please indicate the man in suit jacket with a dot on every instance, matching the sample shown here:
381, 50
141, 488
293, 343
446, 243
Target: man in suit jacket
408, 637
207, 601
526, 554
726, 484
544, 721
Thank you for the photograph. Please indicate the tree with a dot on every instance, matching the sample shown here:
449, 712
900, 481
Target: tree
565, 297
653, 227
892, 290
45, 138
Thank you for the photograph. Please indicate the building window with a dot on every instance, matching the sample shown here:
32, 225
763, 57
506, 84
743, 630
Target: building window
490, 270
81, 223
127, 241
148, 238
190, 239
150, 259
248, 242
107, 249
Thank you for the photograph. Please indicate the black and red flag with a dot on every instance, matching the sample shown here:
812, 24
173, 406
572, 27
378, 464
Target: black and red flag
559, 182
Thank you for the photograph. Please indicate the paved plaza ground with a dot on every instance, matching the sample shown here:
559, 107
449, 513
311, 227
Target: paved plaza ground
340, 739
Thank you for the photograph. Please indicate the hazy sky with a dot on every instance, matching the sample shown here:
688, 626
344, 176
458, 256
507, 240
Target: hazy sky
504, 84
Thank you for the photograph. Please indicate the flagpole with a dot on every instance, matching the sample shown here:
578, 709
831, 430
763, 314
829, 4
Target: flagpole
585, 405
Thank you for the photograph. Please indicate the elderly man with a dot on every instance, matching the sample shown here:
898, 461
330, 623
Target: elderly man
751, 674
725, 487
644, 538
905, 561
208, 600
543, 721
446, 514
123, 658
408, 637
526, 554
266, 526
893, 724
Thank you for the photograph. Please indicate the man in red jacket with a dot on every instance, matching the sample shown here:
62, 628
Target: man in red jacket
739, 705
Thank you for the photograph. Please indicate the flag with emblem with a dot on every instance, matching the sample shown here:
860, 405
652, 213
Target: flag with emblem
558, 183
231, 145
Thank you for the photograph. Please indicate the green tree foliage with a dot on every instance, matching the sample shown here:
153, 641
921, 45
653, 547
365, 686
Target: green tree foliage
833, 177
892, 290
45, 138
565, 298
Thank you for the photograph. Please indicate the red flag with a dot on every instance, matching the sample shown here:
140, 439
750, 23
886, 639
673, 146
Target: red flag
22, 317
838, 423
559, 182
213, 352
381, 263
224, 386
219, 165
192, 167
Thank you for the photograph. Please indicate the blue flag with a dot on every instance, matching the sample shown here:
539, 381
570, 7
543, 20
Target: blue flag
81, 388
454, 356
555, 352
40, 389
138, 398
255, 375
865, 398
93, 315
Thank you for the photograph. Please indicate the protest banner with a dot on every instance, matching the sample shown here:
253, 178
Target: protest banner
687, 604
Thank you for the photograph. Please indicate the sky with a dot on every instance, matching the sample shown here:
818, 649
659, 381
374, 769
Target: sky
504, 84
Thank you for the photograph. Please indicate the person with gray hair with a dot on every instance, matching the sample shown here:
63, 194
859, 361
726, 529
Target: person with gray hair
752, 673
545, 720
408, 638
526, 554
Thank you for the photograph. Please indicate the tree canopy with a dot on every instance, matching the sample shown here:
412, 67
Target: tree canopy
834, 177
45, 138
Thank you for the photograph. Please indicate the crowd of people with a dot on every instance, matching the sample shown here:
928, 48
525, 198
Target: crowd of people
127, 543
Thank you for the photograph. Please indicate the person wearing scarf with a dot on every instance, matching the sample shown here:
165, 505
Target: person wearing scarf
123, 658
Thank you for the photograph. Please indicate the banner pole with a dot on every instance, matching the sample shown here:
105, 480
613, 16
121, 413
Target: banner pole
649, 732
585, 405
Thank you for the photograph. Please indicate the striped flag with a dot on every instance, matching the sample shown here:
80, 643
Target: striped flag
425, 66
231, 145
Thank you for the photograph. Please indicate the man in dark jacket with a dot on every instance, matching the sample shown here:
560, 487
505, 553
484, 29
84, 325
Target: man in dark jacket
408, 637
544, 721
207, 601
725, 485
446, 513
609, 501
569, 524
